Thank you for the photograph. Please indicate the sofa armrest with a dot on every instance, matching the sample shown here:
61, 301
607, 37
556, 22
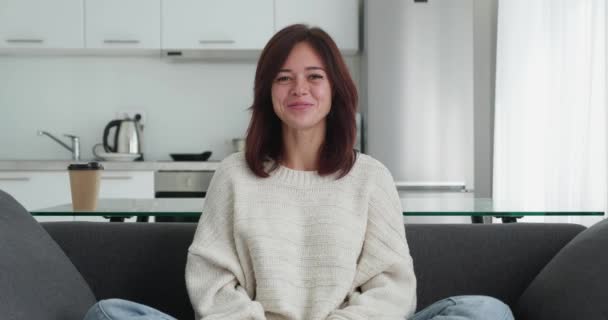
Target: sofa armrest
573, 284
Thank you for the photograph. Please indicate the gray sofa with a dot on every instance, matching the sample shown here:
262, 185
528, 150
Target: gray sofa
521, 264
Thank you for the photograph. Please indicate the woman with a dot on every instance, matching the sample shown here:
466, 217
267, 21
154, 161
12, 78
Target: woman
300, 226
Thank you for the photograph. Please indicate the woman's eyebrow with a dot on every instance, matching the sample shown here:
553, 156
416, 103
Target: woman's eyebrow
315, 68
307, 68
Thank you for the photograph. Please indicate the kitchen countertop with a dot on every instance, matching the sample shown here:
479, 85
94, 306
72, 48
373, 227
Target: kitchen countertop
60, 165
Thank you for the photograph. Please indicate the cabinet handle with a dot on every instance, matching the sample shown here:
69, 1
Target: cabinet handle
119, 41
15, 179
227, 41
24, 40
117, 178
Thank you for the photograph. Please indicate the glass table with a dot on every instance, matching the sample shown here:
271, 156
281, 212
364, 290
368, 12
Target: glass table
116, 210
476, 208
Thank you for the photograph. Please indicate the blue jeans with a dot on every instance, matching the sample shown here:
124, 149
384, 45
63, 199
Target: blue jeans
118, 309
465, 308
454, 308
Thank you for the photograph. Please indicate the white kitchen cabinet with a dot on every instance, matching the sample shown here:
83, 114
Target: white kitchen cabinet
41, 24
122, 24
37, 190
127, 184
217, 24
339, 18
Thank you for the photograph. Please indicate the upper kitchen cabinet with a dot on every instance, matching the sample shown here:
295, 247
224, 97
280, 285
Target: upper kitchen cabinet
217, 24
122, 24
41, 24
339, 18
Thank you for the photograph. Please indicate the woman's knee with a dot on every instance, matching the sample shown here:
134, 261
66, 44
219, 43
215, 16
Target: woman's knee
112, 309
104, 309
484, 306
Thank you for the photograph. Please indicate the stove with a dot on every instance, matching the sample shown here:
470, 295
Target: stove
181, 184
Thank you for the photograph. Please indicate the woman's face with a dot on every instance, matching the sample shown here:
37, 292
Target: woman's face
301, 92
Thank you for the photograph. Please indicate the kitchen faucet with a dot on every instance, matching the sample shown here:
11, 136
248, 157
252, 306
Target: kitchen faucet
75, 149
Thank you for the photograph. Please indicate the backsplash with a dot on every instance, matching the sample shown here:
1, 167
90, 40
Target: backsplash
189, 107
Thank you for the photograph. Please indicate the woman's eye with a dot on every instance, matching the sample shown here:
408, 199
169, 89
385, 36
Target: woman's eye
315, 76
283, 79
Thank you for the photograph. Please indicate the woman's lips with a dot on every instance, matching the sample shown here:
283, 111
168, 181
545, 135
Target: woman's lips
299, 105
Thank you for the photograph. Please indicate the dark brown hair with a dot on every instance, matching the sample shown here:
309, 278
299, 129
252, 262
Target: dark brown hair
264, 136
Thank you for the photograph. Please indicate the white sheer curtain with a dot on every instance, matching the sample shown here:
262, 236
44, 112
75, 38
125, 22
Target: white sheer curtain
550, 119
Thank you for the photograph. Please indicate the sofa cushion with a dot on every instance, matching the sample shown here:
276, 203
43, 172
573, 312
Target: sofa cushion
37, 280
573, 284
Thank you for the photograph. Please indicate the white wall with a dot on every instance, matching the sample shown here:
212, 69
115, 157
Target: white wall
189, 106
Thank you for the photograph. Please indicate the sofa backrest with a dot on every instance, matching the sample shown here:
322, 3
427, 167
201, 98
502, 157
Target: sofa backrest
498, 260
145, 262
141, 262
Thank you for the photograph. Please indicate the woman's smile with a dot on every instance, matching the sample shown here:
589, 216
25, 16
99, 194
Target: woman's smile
300, 105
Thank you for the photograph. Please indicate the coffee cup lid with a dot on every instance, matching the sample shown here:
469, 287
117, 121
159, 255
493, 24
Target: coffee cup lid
85, 166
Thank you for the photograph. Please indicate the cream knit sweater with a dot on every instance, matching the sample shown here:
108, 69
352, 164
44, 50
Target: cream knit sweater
297, 245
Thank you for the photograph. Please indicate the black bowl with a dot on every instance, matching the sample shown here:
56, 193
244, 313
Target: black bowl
191, 156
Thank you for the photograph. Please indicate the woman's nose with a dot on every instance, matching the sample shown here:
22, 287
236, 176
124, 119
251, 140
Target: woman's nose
300, 87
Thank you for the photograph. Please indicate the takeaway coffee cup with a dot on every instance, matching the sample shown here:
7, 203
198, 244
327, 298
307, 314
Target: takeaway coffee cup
84, 184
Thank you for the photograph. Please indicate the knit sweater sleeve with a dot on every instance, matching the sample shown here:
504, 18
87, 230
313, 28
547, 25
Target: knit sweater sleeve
214, 276
385, 284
